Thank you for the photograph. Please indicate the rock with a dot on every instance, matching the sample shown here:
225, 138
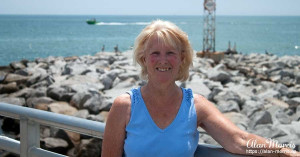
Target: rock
219, 76
277, 102
74, 69
25, 93
293, 92
201, 89
58, 67
37, 102
80, 83
228, 95
128, 74
91, 147
228, 106
17, 65
79, 99
84, 113
294, 102
14, 101
268, 131
260, 117
269, 93
38, 77
119, 89
62, 108
113, 74
98, 117
15, 78
282, 117
56, 145
8, 88
106, 81
94, 103
59, 93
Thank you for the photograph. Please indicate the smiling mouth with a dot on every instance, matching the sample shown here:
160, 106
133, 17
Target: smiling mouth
163, 69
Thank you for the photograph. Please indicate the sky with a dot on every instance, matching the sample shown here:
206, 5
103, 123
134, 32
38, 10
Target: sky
149, 7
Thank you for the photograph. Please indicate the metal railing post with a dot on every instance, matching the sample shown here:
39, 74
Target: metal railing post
30, 136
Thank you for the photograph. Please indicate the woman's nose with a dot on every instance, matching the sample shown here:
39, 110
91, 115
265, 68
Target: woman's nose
163, 57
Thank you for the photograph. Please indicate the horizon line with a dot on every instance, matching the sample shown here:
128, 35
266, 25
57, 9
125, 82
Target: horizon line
135, 15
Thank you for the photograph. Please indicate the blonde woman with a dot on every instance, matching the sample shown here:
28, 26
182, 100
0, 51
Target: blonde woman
160, 119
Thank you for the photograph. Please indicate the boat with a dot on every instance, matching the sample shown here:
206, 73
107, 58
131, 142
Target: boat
91, 21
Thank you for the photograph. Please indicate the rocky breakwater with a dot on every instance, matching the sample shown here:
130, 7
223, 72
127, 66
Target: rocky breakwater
259, 93
78, 86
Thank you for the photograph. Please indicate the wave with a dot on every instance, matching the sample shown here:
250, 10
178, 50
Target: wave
120, 23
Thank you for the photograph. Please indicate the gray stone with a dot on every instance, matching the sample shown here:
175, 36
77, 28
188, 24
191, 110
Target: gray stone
282, 117
98, 117
33, 102
260, 117
128, 74
268, 131
8, 88
84, 113
14, 101
228, 95
17, 65
294, 102
219, 76
201, 88
62, 108
15, 78
57, 145
107, 82
79, 99
74, 69
25, 93
228, 106
56, 92
91, 147
293, 92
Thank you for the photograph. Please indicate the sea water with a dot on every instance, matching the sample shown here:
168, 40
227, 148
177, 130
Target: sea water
32, 36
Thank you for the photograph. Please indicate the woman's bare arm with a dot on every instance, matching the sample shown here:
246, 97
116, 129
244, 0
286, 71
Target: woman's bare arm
225, 132
114, 134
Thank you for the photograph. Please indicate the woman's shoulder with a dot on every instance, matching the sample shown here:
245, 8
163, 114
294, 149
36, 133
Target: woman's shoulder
122, 100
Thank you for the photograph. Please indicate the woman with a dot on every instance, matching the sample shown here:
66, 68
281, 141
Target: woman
160, 118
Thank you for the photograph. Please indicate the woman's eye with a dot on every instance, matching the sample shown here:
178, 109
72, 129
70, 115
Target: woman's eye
154, 53
170, 53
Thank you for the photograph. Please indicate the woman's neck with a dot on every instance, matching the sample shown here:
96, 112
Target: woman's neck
162, 92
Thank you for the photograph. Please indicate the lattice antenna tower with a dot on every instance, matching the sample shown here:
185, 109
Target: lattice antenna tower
209, 26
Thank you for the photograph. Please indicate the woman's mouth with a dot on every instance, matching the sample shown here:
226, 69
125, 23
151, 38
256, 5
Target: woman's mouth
163, 69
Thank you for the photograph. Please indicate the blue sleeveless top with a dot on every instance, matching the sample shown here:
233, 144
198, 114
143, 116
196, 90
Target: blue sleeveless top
145, 139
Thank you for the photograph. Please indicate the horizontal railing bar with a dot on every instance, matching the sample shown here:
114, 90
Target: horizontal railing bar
9, 144
75, 124
38, 152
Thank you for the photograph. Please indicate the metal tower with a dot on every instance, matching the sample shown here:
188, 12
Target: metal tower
209, 26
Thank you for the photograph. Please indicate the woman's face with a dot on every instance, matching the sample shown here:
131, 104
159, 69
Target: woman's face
162, 62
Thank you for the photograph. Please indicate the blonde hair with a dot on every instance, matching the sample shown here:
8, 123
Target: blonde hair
169, 34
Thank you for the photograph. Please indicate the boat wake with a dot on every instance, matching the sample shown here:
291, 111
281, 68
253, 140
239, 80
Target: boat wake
119, 23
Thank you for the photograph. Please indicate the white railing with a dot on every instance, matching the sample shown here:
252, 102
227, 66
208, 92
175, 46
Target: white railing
31, 119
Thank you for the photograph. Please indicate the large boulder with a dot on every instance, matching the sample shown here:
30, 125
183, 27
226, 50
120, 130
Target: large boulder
56, 145
260, 117
14, 101
62, 108
8, 88
39, 102
15, 78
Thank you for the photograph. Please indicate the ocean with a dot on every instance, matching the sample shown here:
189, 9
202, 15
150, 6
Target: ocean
34, 36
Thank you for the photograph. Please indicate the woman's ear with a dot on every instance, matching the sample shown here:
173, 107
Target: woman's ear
182, 56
